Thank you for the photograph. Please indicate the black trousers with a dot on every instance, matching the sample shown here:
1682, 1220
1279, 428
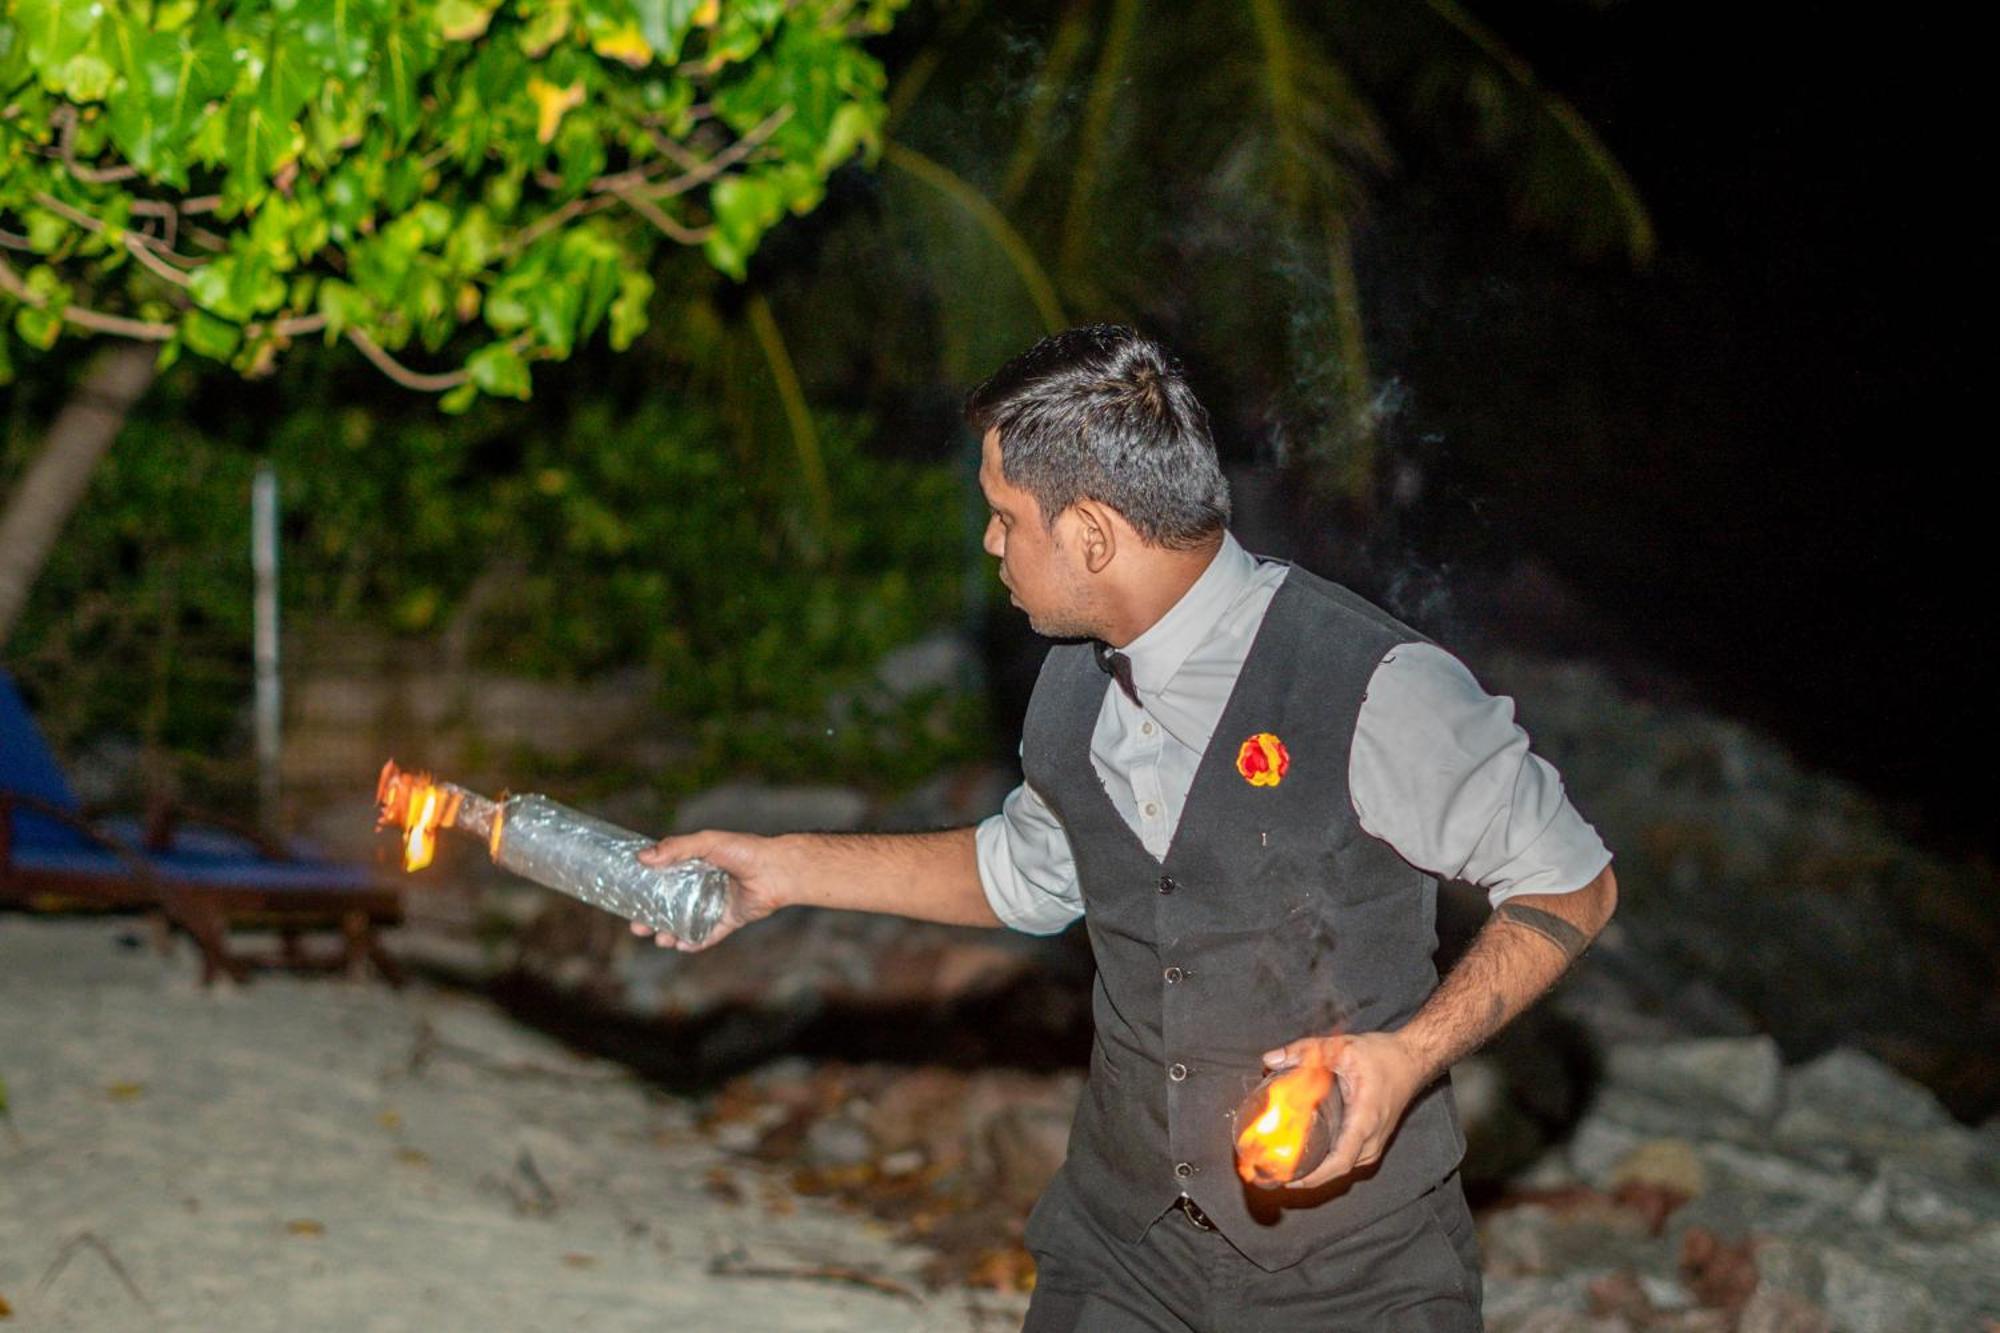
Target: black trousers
1413, 1270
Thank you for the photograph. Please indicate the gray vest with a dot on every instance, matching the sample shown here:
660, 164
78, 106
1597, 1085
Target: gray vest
1274, 916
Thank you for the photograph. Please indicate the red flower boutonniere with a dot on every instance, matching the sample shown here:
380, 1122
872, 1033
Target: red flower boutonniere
1263, 760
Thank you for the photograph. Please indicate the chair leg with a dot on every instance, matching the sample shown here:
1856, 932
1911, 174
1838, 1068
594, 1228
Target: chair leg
385, 962
354, 926
163, 932
211, 935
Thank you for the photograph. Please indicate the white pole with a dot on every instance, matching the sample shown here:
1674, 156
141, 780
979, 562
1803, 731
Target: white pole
264, 564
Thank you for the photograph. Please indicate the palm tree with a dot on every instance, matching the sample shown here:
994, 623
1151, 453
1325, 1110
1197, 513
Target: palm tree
1207, 173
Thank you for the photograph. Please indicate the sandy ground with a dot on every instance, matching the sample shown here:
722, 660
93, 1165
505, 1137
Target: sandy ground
307, 1154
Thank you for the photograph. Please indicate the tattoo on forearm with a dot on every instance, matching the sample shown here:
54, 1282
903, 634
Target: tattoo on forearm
1548, 925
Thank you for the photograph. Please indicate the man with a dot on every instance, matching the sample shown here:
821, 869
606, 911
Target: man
1247, 781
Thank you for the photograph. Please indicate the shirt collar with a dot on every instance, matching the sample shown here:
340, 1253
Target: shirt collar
1158, 653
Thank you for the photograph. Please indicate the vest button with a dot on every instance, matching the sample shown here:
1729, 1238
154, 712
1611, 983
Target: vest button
1173, 975
1167, 884
1177, 1071
1183, 1170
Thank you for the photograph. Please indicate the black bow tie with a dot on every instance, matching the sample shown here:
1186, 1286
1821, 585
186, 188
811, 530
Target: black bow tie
1117, 666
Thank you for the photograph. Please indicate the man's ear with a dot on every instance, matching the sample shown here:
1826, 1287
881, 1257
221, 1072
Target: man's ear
1096, 534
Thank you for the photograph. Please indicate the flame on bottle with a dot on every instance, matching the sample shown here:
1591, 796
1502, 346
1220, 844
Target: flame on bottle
1269, 1145
417, 805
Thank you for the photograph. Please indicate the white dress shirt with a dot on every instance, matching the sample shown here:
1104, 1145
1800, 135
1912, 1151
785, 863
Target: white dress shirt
1438, 770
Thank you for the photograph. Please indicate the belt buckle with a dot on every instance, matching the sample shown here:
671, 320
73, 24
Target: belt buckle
1195, 1216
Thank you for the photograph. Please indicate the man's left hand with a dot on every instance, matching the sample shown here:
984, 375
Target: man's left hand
1377, 1075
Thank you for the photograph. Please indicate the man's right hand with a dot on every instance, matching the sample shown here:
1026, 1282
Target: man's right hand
753, 880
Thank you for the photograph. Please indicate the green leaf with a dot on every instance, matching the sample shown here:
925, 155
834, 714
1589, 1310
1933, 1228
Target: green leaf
288, 79
457, 400
170, 77
342, 305
46, 231
37, 327
210, 337
87, 77
338, 36
258, 143
406, 56
53, 31
745, 207
628, 312
665, 25
499, 370
463, 20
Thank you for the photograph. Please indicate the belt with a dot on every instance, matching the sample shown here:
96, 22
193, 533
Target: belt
1195, 1216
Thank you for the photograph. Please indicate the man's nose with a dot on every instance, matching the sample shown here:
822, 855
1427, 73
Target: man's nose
990, 539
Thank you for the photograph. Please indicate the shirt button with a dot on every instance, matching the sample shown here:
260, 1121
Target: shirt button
1145, 728
1173, 975
1167, 884
1151, 809
1177, 1072
1183, 1169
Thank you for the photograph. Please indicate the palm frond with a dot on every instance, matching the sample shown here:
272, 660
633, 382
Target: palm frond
991, 220
1569, 174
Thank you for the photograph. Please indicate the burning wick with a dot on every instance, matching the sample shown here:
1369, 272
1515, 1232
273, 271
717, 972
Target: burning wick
1287, 1122
558, 848
420, 806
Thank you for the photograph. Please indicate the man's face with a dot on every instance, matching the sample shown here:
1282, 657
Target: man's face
1044, 574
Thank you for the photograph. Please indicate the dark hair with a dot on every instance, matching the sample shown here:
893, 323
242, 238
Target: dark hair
1100, 413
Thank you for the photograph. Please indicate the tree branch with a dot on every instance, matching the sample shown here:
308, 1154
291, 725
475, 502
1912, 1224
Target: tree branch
97, 320
402, 374
65, 123
660, 218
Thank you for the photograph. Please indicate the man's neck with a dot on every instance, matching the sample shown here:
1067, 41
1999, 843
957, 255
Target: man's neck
1161, 581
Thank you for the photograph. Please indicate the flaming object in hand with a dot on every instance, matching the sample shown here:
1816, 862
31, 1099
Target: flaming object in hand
558, 848
1286, 1125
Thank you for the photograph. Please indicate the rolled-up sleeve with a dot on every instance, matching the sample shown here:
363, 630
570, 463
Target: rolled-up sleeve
1441, 772
1026, 866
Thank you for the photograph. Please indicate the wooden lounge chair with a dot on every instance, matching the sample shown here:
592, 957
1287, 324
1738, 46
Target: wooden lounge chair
205, 880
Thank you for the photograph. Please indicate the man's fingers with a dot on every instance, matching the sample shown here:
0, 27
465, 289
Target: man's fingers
1327, 1050
685, 847
1341, 1159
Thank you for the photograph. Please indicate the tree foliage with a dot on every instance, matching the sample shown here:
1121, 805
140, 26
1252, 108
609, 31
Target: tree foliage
1212, 178
616, 528
480, 184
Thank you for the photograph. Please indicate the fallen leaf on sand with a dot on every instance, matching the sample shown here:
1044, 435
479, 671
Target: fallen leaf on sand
1719, 1273
580, 1260
305, 1226
390, 1119
413, 1157
6, 1310
1010, 1269
721, 1185
124, 1092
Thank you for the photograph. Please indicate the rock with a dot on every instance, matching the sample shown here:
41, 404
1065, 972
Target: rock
754, 807
1025, 1144
836, 1140
1772, 1311
1743, 1075
1934, 1209
1670, 1164
1849, 1087
1599, 1145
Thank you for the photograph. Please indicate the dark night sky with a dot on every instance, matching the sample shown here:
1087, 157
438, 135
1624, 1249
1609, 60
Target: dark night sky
1754, 459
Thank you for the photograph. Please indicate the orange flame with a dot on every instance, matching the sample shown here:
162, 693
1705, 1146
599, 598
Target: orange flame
419, 806
1269, 1146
